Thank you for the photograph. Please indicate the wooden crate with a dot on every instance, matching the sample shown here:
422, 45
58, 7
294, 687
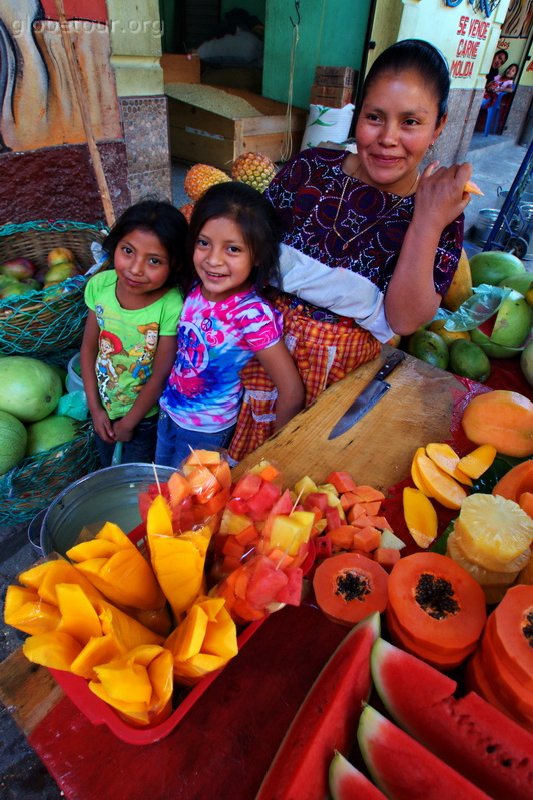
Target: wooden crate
331, 96
218, 137
180, 68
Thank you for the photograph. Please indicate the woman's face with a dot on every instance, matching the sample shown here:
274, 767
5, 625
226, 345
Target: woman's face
396, 125
498, 60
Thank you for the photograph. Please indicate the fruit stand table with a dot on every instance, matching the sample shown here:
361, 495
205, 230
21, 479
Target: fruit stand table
226, 742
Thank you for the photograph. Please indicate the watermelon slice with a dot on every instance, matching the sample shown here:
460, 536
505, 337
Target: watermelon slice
403, 768
348, 783
468, 733
325, 722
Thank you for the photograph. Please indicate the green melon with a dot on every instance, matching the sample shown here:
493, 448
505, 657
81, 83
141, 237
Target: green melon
29, 389
13, 438
493, 266
526, 363
469, 360
513, 321
428, 346
48, 433
520, 283
491, 349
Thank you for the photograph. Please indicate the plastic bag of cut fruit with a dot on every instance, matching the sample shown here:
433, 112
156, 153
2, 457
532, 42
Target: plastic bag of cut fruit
263, 547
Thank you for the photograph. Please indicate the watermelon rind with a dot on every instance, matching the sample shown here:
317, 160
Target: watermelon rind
468, 733
346, 782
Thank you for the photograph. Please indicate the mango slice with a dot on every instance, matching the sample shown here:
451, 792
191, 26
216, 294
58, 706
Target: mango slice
420, 516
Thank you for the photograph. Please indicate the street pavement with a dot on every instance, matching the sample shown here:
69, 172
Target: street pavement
22, 775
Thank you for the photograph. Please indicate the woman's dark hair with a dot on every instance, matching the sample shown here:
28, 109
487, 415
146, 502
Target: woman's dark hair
499, 53
417, 55
160, 218
256, 219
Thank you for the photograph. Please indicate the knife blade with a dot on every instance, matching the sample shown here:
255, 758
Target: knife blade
368, 398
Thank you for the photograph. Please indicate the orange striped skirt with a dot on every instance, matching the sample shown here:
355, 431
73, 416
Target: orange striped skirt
324, 353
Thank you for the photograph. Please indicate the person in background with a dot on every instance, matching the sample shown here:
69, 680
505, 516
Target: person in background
498, 60
129, 342
370, 243
498, 88
233, 249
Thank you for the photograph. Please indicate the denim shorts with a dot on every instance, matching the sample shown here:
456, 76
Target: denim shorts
141, 448
174, 443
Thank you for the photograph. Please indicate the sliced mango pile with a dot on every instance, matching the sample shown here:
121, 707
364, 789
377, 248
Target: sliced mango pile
440, 474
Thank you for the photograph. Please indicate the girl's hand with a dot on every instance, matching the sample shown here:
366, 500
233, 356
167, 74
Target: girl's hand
103, 425
440, 196
123, 431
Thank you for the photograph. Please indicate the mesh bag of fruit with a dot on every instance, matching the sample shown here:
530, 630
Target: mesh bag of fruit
44, 267
31, 485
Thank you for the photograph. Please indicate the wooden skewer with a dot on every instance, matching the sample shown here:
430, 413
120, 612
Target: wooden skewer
156, 478
83, 108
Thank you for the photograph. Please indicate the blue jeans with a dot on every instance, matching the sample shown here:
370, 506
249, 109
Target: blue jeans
141, 448
174, 443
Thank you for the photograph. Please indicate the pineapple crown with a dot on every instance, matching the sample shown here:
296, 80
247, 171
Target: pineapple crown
258, 223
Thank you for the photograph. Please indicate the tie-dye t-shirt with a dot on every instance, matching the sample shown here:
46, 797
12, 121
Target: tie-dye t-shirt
215, 341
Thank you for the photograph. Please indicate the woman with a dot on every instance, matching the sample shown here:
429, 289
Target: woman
361, 258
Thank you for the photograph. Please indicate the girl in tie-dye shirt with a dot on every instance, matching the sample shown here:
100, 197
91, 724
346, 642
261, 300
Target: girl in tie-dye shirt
234, 248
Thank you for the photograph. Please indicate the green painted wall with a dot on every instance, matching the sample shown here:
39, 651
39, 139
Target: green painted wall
331, 33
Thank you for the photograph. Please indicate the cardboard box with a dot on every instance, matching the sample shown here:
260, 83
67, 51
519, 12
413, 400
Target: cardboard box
180, 68
335, 76
331, 96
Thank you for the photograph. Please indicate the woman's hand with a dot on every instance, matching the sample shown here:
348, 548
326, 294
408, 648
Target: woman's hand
440, 196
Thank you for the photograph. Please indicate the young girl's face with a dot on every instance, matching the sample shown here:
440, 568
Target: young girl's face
222, 259
396, 125
142, 266
510, 72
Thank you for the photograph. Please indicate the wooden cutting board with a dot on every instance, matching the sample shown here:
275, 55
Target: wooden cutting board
378, 449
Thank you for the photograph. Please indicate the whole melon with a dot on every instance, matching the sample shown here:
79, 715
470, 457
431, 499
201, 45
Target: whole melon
469, 360
29, 389
526, 362
493, 266
428, 346
13, 438
48, 433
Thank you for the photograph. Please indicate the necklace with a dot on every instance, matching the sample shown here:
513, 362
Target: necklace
394, 206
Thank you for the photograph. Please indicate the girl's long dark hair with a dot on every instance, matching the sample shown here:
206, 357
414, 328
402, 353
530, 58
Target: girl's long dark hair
254, 216
163, 220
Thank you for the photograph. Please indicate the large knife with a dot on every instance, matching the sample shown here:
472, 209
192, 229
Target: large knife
368, 397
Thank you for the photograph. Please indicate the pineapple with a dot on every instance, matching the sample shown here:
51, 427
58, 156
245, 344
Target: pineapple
200, 177
255, 169
494, 532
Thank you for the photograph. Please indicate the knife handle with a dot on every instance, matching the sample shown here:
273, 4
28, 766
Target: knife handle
392, 362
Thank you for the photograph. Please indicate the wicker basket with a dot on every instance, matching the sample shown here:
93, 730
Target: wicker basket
48, 320
32, 485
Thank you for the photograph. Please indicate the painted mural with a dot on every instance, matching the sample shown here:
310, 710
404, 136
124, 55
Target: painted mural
38, 103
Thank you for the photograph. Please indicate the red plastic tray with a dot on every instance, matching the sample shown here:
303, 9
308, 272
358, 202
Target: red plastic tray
100, 713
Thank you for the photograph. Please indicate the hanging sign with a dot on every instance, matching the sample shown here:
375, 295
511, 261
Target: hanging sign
486, 7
